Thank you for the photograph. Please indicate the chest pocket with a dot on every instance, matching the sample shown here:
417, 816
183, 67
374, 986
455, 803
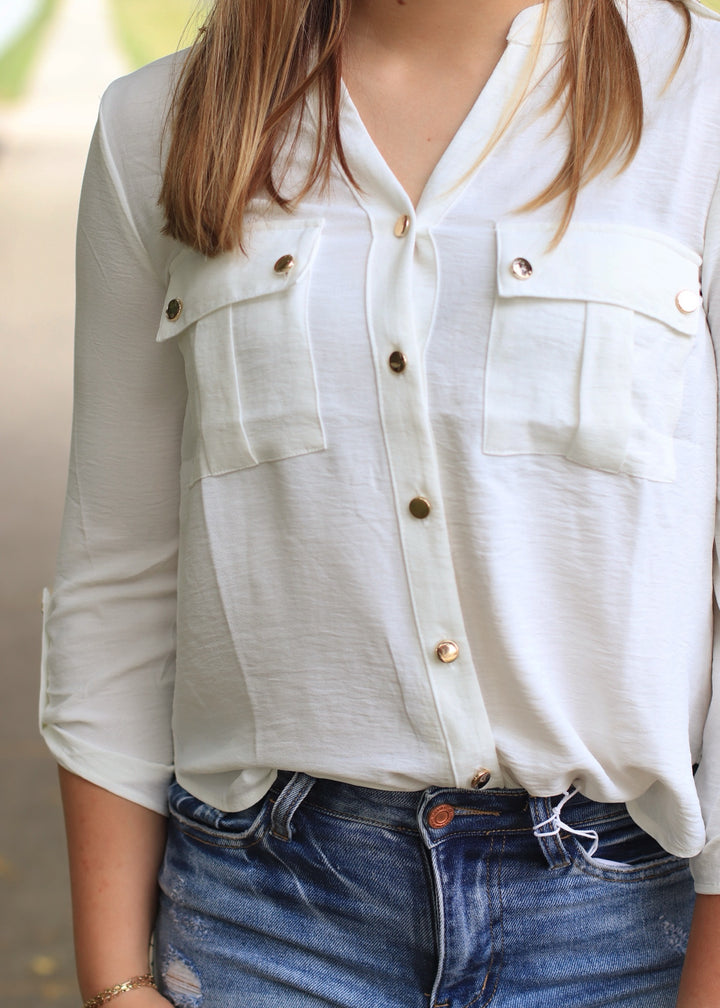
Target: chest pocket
588, 345
241, 322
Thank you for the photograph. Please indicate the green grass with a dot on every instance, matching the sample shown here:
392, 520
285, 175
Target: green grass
18, 59
149, 29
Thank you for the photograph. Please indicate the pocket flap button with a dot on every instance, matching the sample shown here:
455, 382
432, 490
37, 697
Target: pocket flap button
688, 301
284, 264
447, 651
480, 779
397, 361
174, 309
441, 815
521, 269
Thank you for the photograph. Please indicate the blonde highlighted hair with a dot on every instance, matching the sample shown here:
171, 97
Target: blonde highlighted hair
254, 63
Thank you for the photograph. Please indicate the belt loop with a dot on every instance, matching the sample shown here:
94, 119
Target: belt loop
541, 809
288, 802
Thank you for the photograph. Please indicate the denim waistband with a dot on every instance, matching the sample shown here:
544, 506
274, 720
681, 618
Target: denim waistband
492, 809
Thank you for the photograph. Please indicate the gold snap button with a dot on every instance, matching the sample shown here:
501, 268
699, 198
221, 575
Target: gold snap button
688, 301
420, 507
284, 264
174, 309
397, 361
521, 269
441, 815
402, 226
480, 779
447, 651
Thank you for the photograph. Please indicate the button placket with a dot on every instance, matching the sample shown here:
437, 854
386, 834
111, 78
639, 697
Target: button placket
446, 704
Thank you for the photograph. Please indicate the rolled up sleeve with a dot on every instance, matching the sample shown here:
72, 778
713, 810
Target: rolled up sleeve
109, 622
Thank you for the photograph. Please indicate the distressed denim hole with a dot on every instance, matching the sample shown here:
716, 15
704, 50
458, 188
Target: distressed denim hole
182, 983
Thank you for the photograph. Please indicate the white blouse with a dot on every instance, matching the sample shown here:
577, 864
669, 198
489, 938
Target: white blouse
403, 497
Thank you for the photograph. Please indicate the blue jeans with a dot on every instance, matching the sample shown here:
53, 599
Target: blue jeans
325, 894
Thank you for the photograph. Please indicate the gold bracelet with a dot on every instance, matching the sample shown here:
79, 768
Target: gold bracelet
147, 980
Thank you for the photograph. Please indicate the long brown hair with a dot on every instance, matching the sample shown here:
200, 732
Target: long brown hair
252, 67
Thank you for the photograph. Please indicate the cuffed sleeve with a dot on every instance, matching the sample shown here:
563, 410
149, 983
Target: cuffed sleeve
109, 624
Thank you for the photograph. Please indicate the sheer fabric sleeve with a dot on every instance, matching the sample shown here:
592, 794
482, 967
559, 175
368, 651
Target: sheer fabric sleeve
108, 647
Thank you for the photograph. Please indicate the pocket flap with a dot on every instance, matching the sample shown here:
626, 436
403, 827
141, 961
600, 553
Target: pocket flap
629, 267
276, 256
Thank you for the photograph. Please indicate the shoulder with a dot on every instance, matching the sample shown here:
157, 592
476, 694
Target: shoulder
131, 142
134, 108
705, 40
140, 100
662, 22
701, 11
692, 88
657, 28
665, 11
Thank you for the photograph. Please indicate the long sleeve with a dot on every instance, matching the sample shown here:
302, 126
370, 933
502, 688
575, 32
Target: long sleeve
109, 651
706, 866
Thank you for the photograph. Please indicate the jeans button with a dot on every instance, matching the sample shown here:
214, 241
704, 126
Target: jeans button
441, 815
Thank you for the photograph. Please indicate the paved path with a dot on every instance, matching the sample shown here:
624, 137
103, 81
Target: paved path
42, 150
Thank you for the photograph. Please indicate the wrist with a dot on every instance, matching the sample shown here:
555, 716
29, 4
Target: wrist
108, 994
99, 973
114, 971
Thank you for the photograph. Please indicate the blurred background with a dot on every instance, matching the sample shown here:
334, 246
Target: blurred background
56, 57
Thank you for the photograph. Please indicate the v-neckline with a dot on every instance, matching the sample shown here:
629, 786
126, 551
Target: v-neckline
458, 163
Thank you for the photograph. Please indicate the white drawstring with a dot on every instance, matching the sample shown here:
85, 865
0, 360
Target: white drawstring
558, 825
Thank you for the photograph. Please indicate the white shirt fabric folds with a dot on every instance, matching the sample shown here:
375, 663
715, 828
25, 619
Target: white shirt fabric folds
405, 495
